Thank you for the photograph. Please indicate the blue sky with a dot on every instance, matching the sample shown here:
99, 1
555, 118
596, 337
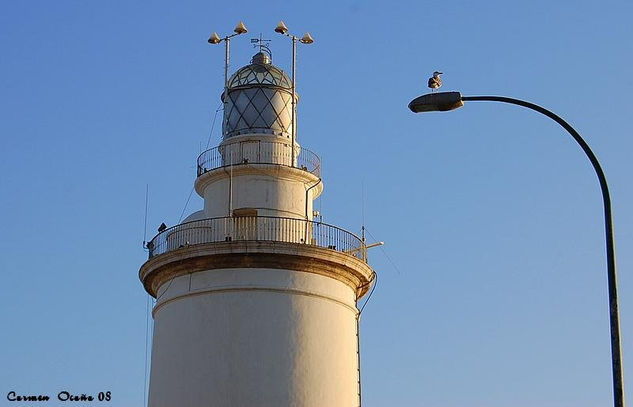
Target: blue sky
492, 287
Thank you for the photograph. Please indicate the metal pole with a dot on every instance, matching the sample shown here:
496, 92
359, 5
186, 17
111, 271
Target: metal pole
614, 319
294, 106
360, 390
227, 41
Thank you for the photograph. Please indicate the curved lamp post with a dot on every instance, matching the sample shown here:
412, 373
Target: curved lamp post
444, 101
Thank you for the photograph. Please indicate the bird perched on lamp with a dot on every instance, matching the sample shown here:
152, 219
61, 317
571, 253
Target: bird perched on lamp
435, 81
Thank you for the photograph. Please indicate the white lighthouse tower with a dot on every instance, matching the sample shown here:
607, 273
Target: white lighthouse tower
256, 302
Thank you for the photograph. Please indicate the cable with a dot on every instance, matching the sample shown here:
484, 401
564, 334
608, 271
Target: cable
305, 184
208, 142
370, 294
147, 310
186, 204
213, 125
166, 289
393, 264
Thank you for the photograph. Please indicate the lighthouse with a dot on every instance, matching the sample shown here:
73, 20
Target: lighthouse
256, 298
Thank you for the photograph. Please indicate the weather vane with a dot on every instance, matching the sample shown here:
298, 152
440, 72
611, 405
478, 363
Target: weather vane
262, 44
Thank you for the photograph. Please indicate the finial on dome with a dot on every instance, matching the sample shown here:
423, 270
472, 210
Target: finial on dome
264, 56
261, 59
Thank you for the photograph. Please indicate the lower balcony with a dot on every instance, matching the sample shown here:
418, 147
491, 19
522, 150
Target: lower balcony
257, 228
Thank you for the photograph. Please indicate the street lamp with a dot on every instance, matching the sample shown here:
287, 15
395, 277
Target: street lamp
214, 39
444, 101
306, 39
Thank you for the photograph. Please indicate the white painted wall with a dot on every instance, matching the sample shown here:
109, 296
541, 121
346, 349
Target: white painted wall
254, 337
263, 190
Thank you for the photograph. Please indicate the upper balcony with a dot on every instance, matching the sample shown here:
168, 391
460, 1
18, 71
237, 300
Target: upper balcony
259, 152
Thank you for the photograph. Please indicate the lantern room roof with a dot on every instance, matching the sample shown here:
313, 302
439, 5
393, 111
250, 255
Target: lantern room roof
260, 72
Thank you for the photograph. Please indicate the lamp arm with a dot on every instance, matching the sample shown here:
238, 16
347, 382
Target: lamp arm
616, 353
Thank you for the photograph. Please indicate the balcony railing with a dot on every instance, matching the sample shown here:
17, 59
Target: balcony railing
258, 152
257, 228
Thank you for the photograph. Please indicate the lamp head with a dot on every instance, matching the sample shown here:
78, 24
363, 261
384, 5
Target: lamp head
214, 39
240, 28
306, 39
281, 28
436, 102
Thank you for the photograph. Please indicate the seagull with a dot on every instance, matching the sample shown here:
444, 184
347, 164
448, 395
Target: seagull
435, 81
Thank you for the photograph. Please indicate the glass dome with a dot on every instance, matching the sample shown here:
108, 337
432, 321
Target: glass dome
260, 72
258, 100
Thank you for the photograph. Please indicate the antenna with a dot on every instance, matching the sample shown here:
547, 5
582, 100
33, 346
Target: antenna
362, 211
362, 206
145, 221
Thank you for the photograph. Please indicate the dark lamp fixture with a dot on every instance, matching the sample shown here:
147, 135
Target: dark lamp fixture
436, 102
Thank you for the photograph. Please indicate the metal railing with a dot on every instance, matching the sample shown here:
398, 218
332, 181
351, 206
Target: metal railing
258, 152
257, 228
